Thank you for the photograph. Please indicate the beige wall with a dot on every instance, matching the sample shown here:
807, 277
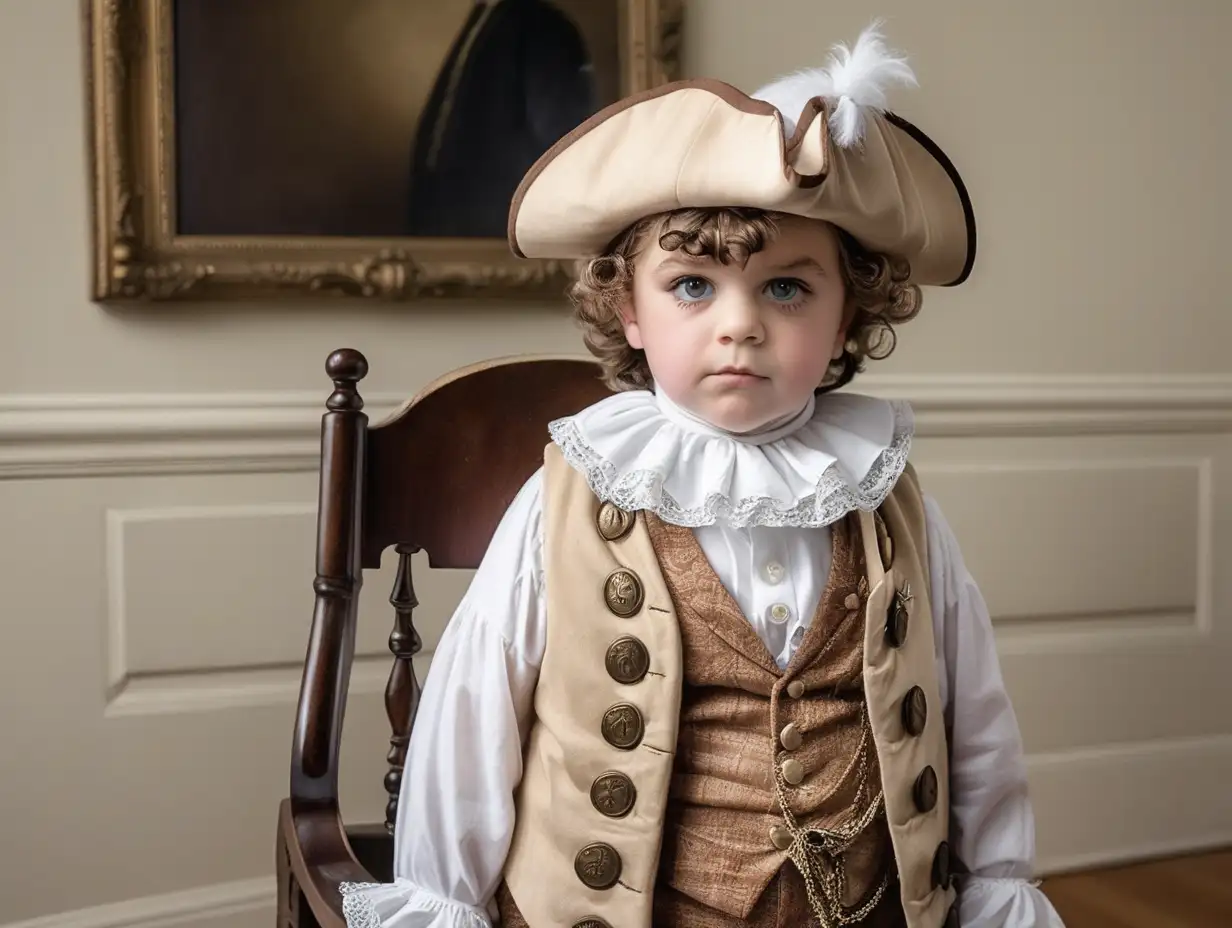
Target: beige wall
148, 669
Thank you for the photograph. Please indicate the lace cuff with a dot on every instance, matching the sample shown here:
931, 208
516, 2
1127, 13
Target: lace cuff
402, 904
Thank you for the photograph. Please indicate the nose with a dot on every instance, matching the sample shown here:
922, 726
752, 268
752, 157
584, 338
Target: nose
739, 322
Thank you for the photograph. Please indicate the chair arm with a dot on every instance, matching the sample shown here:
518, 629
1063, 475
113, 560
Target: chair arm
314, 859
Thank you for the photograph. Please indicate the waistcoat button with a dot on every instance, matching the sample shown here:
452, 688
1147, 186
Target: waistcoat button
779, 613
790, 737
774, 572
627, 660
597, 865
613, 794
623, 727
623, 592
915, 711
795, 689
852, 602
925, 790
780, 837
898, 617
941, 867
793, 771
613, 522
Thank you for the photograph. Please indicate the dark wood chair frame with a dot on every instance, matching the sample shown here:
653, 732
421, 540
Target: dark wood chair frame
435, 477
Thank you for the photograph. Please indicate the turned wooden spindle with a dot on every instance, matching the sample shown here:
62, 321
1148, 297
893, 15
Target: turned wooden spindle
402, 691
331, 643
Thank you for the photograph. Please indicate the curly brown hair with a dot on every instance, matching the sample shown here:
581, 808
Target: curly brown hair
878, 292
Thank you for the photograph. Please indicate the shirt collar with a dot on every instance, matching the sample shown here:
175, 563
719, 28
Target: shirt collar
639, 450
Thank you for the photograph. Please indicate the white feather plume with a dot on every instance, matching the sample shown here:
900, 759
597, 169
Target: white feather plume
854, 82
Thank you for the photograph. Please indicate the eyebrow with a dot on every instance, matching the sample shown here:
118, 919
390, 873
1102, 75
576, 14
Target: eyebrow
684, 260
800, 264
687, 260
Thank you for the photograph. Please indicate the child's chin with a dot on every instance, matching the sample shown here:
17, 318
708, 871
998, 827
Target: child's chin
739, 414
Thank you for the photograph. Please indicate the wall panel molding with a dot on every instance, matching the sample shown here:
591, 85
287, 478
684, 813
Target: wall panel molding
168, 654
1107, 779
239, 904
1020, 405
65, 435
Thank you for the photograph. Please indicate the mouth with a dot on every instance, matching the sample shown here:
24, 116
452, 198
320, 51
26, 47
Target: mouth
741, 373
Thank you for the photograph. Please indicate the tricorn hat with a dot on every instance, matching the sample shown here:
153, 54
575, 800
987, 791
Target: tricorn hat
816, 143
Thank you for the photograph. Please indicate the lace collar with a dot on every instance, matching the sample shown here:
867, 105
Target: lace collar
639, 450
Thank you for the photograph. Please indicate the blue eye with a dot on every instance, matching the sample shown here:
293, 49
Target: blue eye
692, 289
783, 290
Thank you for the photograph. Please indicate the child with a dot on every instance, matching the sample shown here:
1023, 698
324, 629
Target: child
722, 664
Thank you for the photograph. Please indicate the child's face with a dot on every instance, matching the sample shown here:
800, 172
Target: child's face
741, 346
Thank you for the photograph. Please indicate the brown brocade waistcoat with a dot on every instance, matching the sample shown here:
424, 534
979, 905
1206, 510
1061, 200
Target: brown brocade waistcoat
740, 726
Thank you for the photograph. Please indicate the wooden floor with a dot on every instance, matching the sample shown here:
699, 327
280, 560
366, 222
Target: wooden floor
1182, 892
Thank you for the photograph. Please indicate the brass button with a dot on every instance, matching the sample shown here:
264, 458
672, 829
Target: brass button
793, 771
941, 867
593, 921
795, 689
898, 617
780, 837
885, 544
613, 794
925, 790
597, 865
852, 602
613, 522
915, 711
623, 592
790, 737
623, 727
627, 660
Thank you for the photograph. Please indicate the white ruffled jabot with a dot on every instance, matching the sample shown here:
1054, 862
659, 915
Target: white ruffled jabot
639, 450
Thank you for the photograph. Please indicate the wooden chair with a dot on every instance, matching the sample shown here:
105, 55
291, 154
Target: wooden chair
435, 477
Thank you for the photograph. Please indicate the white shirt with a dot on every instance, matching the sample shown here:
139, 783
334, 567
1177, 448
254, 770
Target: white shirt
760, 507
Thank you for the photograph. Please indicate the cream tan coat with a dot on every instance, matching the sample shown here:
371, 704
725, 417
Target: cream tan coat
570, 865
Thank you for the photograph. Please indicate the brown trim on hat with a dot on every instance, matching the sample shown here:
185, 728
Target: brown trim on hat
815, 108
955, 178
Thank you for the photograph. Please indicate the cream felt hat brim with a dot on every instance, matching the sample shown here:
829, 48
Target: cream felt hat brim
704, 143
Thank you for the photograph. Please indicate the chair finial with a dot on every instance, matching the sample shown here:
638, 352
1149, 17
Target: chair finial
346, 367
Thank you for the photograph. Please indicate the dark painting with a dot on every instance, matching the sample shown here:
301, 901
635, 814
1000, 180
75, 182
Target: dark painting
377, 118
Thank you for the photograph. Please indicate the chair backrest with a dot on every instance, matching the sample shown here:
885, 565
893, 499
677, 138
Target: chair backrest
435, 477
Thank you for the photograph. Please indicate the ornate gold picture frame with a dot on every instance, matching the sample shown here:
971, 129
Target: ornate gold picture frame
318, 147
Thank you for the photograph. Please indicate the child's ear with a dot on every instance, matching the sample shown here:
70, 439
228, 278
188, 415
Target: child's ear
840, 343
840, 337
628, 318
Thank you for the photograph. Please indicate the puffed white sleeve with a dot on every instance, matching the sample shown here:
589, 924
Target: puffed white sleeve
992, 823
464, 760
